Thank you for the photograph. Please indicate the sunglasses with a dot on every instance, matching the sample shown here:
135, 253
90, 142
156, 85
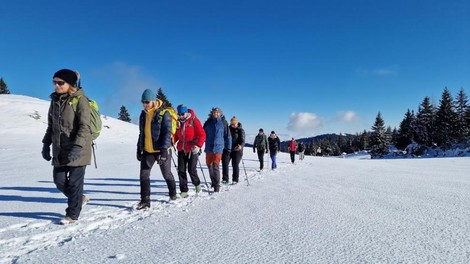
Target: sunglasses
60, 83
146, 102
181, 114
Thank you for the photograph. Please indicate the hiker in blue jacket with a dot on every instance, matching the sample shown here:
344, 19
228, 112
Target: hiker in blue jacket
218, 138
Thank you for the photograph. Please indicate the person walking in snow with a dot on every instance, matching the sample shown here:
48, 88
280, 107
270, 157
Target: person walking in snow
236, 152
189, 138
274, 147
292, 149
301, 150
69, 133
217, 138
261, 145
154, 145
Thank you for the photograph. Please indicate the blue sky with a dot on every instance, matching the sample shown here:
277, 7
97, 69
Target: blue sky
301, 68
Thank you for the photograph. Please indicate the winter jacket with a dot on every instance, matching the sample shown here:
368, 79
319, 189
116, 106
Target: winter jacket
238, 137
68, 126
274, 144
217, 135
292, 146
157, 136
190, 133
260, 143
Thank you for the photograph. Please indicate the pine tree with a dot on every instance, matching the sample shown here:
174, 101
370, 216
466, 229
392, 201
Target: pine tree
380, 138
423, 125
446, 121
405, 131
461, 109
3, 87
162, 96
124, 115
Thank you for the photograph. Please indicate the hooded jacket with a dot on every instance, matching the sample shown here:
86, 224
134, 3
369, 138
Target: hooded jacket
190, 133
67, 127
238, 137
159, 134
217, 135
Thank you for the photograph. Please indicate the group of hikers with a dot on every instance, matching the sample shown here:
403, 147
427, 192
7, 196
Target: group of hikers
68, 132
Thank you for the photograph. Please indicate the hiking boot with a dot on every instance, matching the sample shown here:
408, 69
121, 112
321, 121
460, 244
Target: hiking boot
234, 182
143, 205
216, 188
85, 200
184, 195
224, 182
172, 198
67, 220
198, 188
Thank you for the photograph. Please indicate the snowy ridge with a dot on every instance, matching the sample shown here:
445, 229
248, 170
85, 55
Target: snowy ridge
320, 210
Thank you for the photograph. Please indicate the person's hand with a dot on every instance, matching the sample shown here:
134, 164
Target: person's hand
74, 153
139, 155
195, 150
163, 157
266, 151
254, 151
46, 152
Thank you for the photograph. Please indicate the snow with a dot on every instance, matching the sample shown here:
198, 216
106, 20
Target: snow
319, 210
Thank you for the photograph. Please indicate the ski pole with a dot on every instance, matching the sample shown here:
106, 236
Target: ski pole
203, 175
246, 176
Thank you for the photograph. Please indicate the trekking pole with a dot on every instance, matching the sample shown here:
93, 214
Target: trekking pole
94, 155
203, 175
246, 176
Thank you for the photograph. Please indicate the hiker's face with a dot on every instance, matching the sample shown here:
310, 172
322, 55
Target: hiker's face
147, 105
216, 113
60, 86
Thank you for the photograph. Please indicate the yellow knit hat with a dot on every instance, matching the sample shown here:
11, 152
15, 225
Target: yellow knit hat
234, 120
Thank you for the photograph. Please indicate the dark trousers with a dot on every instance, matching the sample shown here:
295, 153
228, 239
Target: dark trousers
146, 164
69, 180
261, 159
236, 157
187, 161
292, 156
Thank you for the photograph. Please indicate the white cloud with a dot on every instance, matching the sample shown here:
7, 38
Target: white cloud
384, 72
348, 116
303, 121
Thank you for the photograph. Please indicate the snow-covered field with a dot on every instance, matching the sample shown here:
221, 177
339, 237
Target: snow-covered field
320, 210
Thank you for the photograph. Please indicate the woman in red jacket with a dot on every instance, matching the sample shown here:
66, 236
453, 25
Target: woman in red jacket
292, 149
190, 136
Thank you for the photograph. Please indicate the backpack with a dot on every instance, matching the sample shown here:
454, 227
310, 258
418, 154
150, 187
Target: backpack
95, 122
174, 120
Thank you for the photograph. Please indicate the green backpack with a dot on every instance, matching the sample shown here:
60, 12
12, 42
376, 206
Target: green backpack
95, 122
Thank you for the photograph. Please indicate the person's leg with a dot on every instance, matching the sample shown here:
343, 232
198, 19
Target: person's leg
225, 165
168, 176
183, 178
146, 164
236, 158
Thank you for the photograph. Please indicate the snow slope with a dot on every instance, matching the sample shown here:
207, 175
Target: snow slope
319, 210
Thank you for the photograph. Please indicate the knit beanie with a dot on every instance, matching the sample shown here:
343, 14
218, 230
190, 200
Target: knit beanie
261, 130
272, 132
234, 120
67, 75
182, 109
148, 95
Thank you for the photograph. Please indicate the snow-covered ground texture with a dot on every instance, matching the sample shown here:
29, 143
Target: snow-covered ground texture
318, 210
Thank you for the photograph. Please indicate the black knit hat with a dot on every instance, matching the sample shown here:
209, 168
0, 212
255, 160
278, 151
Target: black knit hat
67, 75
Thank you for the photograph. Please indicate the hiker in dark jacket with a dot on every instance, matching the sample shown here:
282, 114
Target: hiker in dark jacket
261, 145
189, 138
274, 147
218, 138
68, 130
236, 152
154, 145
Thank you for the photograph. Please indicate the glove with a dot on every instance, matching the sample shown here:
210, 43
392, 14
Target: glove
139, 155
266, 150
46, 152
254, 151
74, 153
196, 150
163, 157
